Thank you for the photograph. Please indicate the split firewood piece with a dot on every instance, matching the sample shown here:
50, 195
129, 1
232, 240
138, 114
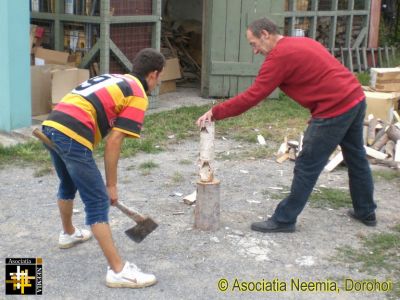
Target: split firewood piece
389, 163
397, 152
300, 143
282, 157
389, 149
393, 133
334, 162
381, 139
190, 199
374, 153
292, 153
371, 131
283, 147
365, 134
207, 134
396, 116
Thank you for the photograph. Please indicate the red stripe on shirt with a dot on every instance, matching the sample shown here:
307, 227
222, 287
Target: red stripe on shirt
137, 91
108, 103
133, 113
77, 113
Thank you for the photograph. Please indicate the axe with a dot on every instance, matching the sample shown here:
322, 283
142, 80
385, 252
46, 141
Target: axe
144, 225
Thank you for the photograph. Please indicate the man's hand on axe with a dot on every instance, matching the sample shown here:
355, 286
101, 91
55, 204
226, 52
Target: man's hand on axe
206, 118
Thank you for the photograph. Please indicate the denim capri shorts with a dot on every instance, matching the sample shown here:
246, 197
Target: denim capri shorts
77, 170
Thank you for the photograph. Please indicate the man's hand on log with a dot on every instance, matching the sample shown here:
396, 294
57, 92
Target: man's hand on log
206, 118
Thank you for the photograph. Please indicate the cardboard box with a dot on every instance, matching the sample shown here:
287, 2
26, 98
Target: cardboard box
171, 72
167, 87
385, 79
52, 56
65, 81
382, 105
49, 82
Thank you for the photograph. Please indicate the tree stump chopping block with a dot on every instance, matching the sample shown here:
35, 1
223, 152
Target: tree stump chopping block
207, 210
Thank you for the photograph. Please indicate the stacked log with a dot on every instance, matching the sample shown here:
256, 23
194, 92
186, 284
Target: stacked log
381, 143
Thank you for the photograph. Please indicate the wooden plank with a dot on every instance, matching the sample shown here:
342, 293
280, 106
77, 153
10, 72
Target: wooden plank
380, 61
217, 46
121, 56
365, 60
332, 35
359, 66
387, 56
206, 45
245, 51
350, 60
373, 57
232, 43
361, 36
234, 68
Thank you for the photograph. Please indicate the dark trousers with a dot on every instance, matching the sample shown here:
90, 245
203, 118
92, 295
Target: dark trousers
320, 140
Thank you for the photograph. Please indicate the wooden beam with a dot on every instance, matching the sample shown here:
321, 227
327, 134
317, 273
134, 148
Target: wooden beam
375, 15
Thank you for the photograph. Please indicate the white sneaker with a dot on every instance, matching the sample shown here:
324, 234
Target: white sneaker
130, 276
67, 241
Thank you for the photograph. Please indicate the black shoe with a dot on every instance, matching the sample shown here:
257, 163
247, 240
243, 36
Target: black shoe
369, 220
272, 226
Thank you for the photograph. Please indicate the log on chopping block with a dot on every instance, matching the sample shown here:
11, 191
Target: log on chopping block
207, 135
207, 210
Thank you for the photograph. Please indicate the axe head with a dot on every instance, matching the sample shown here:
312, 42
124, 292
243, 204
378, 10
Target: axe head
138, 232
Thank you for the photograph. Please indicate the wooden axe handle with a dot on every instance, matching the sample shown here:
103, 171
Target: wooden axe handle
136, 216
44, 139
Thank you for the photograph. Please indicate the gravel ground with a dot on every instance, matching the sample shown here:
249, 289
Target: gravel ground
190, 263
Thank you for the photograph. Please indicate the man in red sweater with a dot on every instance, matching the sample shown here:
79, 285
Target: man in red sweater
305, 71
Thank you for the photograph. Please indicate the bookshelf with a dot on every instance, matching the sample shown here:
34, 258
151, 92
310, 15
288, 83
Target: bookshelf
114, 30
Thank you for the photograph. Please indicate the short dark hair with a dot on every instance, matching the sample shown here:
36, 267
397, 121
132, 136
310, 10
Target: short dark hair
263, 24
147, 60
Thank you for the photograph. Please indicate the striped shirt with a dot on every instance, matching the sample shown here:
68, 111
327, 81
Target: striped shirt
102, 103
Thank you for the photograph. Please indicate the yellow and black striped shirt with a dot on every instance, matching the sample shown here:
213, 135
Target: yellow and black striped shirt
102, 103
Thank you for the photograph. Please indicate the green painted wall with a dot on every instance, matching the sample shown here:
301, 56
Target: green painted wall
15, 80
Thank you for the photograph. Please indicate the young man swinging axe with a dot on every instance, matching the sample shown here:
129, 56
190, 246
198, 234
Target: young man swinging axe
109, 105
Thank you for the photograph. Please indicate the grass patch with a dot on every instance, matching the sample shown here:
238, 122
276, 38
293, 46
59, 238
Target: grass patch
320, 198
364, 78
185, 162
177, 177
330, 198
388, 175
147, 166
274, 118
32, 152
379, 252
44, 170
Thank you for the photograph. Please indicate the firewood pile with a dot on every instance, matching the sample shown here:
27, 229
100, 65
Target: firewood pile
182, 40
381, 142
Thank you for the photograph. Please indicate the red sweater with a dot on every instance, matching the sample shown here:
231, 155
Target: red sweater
305, 71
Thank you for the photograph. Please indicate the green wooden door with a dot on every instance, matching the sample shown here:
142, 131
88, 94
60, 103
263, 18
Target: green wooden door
229, 65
